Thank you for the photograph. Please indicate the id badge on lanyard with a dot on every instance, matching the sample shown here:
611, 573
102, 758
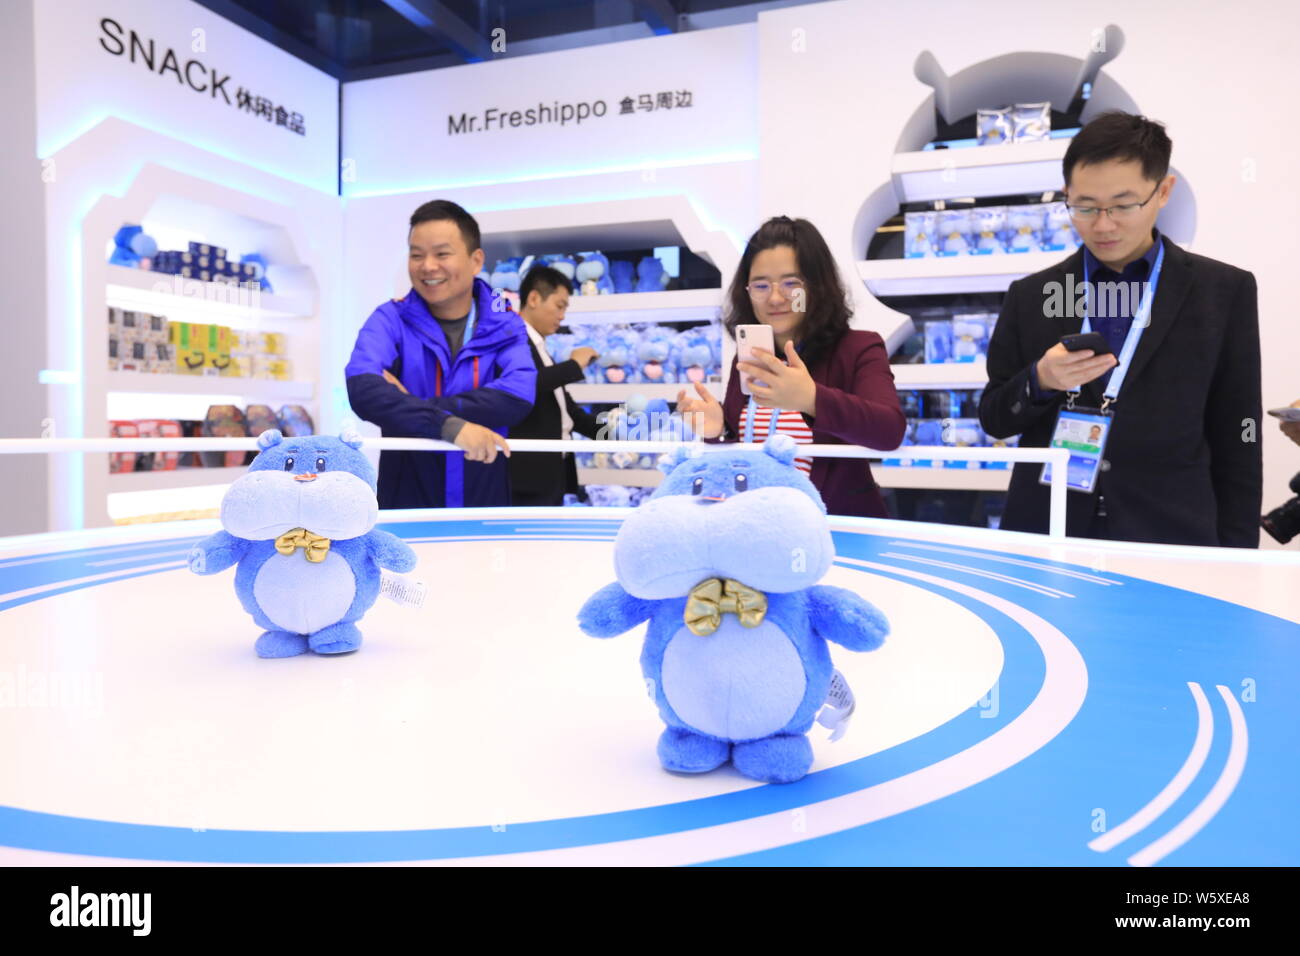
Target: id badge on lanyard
1084, 431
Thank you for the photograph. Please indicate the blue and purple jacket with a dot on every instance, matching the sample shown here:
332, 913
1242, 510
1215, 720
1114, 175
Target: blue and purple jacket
491, 383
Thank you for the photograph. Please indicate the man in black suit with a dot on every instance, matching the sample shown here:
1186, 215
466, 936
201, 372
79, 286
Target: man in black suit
1182, 463
539, 479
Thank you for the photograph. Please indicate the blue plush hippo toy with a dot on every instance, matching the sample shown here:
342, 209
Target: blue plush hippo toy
301, 526
723, 561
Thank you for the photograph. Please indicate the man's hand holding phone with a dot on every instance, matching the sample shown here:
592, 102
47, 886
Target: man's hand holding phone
1063, 370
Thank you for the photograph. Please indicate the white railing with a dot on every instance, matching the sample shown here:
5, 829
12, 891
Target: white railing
1058, 457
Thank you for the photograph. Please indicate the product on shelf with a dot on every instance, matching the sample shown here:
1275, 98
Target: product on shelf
617, 363
223, 421
919, 234
651, 275
954, 229
622, 275
295, 422
258, 418
655, 356
1058, 230
697, 360
188, 346
969, 337
938, 341
1031, 122
961, 433
1025, 227
592, 275
122, 461
506, 274
160, 428
989, 226
133, 248
993, 126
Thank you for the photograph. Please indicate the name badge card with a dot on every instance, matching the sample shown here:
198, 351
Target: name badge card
1083, 433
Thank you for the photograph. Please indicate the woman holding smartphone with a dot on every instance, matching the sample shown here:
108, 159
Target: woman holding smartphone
834, 385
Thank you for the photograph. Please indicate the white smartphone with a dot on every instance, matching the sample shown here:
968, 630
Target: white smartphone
748, 338
1286, 414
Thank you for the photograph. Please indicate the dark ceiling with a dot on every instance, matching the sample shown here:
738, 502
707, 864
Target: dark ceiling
358, 39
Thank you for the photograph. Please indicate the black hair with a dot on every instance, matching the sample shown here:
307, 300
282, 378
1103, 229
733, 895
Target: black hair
437, 210
828, 310
545, 280
1123, 136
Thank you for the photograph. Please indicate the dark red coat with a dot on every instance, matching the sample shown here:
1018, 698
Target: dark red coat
857, 404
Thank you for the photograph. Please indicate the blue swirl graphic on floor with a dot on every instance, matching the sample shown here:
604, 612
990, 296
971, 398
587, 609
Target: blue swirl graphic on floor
1142, 642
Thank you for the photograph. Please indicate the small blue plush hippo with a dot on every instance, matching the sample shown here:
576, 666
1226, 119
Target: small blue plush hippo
301, 526
723, 560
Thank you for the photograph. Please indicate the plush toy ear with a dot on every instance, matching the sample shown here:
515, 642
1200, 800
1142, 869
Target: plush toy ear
781, 447
350, 437
269, 438
670, 460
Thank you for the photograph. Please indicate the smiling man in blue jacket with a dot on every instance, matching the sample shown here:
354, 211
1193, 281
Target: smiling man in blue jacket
446, 361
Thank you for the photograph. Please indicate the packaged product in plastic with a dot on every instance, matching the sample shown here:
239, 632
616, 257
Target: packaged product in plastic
1031, 122
993, 127
989, 226
954, 232
969, 337
938, 341
1025, 227
919, 233
1058, 229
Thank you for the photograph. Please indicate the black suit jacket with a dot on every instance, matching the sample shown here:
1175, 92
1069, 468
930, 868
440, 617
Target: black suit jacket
1184, 456
536, 475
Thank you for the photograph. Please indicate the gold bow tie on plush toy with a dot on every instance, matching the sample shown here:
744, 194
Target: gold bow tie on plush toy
314, 546
711, 599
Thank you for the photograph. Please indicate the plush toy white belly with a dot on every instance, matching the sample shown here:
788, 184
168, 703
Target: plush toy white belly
301, 597
737, 683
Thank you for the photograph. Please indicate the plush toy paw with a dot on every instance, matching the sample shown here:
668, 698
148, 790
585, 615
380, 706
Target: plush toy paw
684, 752
198, 560
336, 639
781, 758
280, 644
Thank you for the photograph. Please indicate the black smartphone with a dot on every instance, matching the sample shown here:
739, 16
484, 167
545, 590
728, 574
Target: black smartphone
1086, 340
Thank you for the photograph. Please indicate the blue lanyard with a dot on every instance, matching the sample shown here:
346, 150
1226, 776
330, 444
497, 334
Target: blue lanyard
469, 323
749, 421
1141, 319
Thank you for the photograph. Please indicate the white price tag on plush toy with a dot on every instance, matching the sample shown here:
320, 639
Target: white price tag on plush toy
402, 590
839, 707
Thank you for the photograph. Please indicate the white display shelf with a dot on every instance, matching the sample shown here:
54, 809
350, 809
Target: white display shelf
176, 478
979, 171
953, 479
953, 274
584, 393
681, 305
941, 375
161, 383
161, 294
632, 477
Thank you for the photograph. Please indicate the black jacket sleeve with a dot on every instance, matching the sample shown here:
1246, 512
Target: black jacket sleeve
1007, 406
551, 377
1232, 421
584, 423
